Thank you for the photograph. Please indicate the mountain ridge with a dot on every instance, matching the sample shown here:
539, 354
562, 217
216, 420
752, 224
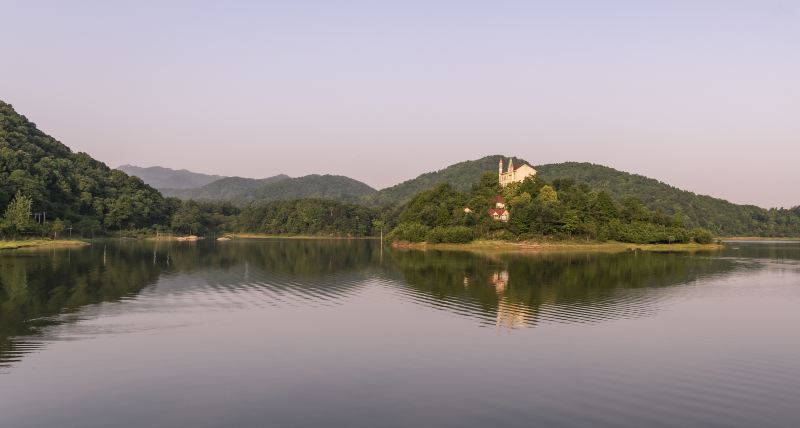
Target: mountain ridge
161, 177
279, 187
716, 214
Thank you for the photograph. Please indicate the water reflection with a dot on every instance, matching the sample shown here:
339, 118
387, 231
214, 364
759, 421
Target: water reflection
506, 291
514, 290
38, 286
238, 333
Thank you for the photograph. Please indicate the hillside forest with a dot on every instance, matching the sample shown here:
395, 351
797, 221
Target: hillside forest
48, 190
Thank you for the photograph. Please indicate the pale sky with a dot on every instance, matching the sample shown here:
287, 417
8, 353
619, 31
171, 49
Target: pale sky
703, 95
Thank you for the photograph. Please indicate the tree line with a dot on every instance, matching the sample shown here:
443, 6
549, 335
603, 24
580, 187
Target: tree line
560, 210
563, 209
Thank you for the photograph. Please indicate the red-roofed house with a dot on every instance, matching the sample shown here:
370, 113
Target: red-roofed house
499, 214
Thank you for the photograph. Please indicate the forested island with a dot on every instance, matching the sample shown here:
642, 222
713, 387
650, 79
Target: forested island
48, 191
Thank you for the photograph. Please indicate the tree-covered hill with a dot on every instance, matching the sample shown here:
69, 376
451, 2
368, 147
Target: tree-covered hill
281, 187
167, 178
718, 215
461, 176
225, 189
70, 186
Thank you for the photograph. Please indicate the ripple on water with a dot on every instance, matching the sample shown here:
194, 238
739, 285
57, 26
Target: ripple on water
507, 311
232, 290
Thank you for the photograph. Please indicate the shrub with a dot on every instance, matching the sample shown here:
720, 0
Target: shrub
452, 235
702, 236
409, 232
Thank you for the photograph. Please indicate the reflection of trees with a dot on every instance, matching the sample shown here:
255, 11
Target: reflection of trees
512, 289
36, 286
504, 290
292, 257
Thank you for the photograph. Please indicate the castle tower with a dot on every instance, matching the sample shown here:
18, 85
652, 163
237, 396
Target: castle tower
514, 175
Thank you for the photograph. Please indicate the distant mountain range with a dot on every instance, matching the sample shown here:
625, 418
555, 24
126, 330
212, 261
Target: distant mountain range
279, 187
166, 178
718, 215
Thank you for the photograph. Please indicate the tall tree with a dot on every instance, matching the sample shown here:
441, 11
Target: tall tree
17, 217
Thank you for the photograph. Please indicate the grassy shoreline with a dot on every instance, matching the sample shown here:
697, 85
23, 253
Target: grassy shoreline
40, 243
568, 246
269, 236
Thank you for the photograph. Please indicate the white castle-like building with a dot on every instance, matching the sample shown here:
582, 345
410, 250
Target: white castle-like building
514, 174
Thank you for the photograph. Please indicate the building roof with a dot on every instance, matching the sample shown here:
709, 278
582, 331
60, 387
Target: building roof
499, 198
497, 211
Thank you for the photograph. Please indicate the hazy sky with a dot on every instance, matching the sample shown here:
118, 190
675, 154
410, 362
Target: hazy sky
704, 95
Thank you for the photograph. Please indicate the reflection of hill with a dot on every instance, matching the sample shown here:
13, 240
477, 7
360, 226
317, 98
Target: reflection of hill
513, 290
330, 268
37, 286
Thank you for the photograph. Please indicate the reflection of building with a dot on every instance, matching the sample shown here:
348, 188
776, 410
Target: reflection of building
514, 174
500, 281
509, 315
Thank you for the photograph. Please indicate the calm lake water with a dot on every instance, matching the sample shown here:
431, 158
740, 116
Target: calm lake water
303, 333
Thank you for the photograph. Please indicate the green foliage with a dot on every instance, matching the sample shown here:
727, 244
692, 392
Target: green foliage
564, 209
640, 232
651, 196
547, 195
440, 206
716, 215
57, 227
450, 234
409, 232
17, 217
702, 236
461, 176
308, 217
67, 185
193, 217
187, 218
278, 188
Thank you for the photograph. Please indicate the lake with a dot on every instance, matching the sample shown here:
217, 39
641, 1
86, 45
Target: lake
297, 333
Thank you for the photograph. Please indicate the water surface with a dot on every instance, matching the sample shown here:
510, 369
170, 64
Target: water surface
345, 333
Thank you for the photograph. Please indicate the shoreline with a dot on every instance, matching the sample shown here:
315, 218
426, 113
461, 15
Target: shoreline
543, 247
235, 236
41, 243
758, 239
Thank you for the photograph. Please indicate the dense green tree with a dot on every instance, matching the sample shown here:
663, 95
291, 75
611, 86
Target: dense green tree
57, 227
560, 210
70, 186
187, 218
17, 217
308, 217
547, 195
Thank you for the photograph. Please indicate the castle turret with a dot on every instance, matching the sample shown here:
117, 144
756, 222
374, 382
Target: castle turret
511, 165
500, 167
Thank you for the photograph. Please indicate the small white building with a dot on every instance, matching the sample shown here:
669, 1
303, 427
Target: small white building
514, 174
